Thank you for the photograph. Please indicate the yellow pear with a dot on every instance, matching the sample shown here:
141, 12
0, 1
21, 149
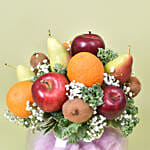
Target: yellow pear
23, 73
57, 52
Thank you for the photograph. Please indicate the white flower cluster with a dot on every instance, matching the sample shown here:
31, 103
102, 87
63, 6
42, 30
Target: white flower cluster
124, 118
36, 116
95, 111
30, 122
110, 80
42, 68
127, 91
96, 126
12, 118
74, 90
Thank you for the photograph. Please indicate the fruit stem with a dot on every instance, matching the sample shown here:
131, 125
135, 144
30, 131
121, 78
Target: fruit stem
49, 32
90, 32
129, 49
11, 66
49, 86
75, 113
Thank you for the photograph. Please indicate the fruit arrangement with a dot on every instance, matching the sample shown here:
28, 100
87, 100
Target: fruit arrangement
77, 91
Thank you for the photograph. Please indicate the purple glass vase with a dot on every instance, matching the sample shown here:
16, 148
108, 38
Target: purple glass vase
111, 139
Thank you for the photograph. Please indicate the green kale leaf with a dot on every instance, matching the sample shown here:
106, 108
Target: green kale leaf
60, 69
106, 55
93, 95
128, 119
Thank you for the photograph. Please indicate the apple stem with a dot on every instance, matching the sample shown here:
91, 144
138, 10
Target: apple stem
49, 32
129, 49
49, 86
90, 32
11, 66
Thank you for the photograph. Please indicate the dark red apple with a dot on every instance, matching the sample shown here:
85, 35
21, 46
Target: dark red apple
87, 43
114, 102
49, 91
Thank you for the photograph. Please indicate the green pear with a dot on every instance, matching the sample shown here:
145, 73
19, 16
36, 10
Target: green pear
24, 73
57, 52
120, 67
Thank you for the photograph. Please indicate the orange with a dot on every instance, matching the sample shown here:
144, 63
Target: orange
17, 97
86, 68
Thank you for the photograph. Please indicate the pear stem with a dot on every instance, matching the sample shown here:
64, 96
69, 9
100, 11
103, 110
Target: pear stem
49, 32
129, 49
11, 66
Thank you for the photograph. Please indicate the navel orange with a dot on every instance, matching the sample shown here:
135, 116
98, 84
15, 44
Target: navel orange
17, 97
86, 68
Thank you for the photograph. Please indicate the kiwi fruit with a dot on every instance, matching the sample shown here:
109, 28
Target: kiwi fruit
135, 85
37, 58
77, 110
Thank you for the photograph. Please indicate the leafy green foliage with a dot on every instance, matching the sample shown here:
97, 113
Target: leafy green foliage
60, 69
128, 120
51, 121
63, 128
93, 95
26, 122
37, 76
73, 131
47, 125
106, 55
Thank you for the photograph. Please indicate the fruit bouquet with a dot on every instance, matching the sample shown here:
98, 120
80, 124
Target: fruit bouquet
79, 97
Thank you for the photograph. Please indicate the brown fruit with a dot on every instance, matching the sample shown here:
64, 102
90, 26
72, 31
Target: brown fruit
77, 110
37, 58
135, 85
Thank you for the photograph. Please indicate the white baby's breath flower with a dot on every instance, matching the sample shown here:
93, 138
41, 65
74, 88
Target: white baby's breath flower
112, 69
122, 123
38, 74
74, 90
96, 126
38, 66
105, 74
37, 55
130, 94
127, 89
28, 109
45, 61
26, 123
31, 68
110, 80
28, 103
30, 116
34, 104
46, 71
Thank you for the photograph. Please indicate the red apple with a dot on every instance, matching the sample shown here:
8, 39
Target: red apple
114, 102
49, 91
87, 43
